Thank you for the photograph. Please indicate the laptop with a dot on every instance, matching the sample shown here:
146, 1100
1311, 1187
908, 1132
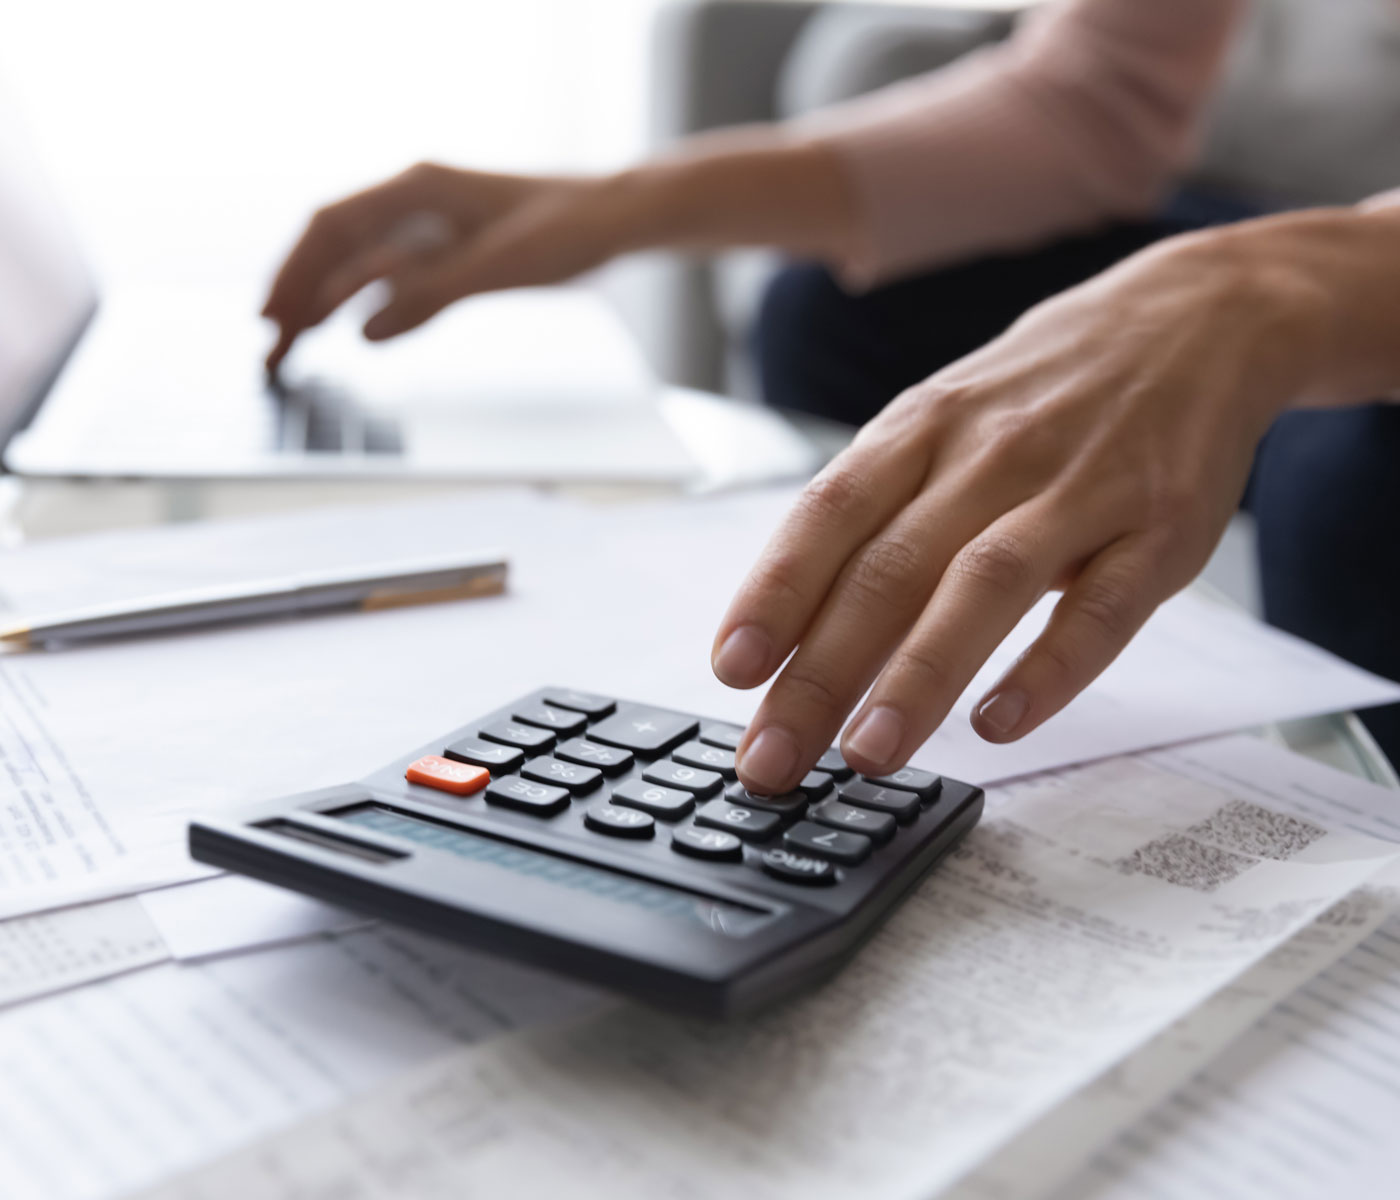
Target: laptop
541, 385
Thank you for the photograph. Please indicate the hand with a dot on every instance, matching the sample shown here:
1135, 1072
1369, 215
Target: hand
437, 235
1099, 447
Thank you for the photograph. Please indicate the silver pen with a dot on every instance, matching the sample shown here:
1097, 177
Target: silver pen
419, 581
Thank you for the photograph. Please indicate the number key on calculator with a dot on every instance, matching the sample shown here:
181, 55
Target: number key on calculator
608, 840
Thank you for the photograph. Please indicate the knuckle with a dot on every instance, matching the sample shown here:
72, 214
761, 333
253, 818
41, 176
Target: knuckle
813, 688
423, 172
779, 580
886, 570
330, 220
994, 561
922, 667
1017, 438
1107, 606
835, 496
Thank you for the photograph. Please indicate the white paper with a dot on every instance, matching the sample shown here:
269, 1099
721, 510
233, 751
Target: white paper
1197, 668
1088, 911
51, 951
111, 1087
1305, 1104
1047, 1154
621, 599
230, 913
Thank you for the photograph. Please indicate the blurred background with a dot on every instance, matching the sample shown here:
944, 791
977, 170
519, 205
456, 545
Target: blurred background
191, 141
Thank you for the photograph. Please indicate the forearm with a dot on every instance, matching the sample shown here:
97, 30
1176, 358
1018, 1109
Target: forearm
754, 186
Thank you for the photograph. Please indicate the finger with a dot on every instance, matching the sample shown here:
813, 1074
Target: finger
285, 338
839, 511
990, 584
524, 250
1105, 606
878, 594
380, 262
333, 235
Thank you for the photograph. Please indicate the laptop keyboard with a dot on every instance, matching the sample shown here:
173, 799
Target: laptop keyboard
316, 418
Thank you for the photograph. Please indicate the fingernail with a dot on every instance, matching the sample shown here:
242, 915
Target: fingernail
770, 760
742, 656
1003, 711
876, 735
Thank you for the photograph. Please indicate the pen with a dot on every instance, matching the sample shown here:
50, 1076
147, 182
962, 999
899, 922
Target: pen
420, 581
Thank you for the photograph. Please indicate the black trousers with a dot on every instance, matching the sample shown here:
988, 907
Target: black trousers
1325, 489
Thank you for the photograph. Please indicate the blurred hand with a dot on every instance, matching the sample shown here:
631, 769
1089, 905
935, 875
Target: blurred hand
1100, 446
436, 234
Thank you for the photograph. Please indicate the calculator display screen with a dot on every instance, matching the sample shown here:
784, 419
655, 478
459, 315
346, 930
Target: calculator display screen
672, 903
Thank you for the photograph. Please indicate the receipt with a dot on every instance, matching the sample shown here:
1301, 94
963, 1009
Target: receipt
1090, 910
1046, 1154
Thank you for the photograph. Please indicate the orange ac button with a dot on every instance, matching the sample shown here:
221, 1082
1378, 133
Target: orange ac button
461, 779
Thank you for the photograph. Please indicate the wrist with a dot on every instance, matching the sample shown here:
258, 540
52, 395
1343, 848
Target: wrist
1328, 282
645, 205
741, 187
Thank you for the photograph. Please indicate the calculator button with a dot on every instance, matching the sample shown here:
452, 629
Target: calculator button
541, 799
560, 720
714, 758
797, 868
806, 837
834, 765
645, 730
619, 822
878, 826
726, 737
584, 702
573, 776
751, 824
882, 799
925, 784
713, 844
461, 779
689, 779
668, 803
608, 759
788, 804
815, 785
500, 759
520, 735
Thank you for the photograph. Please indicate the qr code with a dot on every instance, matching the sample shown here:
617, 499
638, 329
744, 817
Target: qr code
1261, 832
1185, 862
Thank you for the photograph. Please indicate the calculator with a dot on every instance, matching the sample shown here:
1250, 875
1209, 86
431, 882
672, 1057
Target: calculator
611, 841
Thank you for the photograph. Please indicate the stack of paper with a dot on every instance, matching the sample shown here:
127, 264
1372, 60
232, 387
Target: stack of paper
1105, 932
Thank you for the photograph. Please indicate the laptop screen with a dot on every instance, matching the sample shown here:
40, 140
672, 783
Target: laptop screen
46, 292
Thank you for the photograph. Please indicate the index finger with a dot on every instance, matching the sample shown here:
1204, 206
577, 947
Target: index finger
838, 512
333, 235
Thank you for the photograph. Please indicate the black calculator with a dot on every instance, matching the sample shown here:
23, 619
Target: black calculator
611, 841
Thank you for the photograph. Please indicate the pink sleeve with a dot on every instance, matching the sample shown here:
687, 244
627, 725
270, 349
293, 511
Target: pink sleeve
1085, 114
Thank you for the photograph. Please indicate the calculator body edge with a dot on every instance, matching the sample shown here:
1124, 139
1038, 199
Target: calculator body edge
702, 938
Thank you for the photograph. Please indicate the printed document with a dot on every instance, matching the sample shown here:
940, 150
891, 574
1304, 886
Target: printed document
111, 1087
1048, 1152
1090, 910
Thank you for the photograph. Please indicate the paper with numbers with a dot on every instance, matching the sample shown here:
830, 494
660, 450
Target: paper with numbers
1090, 910
47, 952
